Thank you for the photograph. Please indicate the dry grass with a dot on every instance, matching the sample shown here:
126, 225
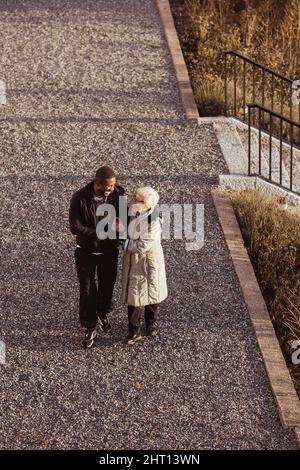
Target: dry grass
272, 236
267, 31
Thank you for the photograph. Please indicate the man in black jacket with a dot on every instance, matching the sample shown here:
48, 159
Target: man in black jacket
93, 255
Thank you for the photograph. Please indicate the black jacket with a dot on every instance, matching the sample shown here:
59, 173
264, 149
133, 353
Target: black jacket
82, 218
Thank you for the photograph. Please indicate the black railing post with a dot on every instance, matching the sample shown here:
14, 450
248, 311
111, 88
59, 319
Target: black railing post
272, 94
270, 147
280, 152
253, 80
263, 95
291, 101
234, 81
281, 96
291, 155
263, 87
225, 73
244, 89
259, 142
249, 139
299, 121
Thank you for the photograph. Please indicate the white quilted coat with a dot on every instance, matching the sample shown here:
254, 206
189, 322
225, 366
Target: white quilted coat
143, 273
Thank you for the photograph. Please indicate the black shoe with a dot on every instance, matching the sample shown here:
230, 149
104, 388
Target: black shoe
151, 331
89, 338
130, 340
104, 325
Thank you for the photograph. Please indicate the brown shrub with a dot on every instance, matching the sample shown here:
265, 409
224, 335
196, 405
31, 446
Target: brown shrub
267, 31
272, 237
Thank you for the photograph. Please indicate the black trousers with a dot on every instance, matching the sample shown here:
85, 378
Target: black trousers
135, 314
95, 299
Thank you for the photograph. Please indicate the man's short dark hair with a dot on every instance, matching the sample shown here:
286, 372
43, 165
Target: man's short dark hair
105, 173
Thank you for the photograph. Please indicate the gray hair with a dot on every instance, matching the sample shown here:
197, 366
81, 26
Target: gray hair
149, 195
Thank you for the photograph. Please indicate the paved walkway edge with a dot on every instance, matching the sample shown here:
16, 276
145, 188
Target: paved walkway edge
182, 75
281, 382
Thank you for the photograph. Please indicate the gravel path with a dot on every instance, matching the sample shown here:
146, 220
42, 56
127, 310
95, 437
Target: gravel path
91, 83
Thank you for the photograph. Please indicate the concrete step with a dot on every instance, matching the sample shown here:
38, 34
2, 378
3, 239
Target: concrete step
233, 141
265, 150
232, 137
231, 146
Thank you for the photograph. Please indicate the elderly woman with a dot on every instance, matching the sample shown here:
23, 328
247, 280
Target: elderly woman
144, 277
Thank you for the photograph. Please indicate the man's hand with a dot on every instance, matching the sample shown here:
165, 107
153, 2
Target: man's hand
119, 226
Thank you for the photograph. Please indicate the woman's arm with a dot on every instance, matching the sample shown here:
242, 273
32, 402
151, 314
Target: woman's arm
146, 240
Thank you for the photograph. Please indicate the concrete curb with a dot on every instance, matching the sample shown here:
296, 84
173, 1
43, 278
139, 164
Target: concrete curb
182, 75
282, 386
242, 182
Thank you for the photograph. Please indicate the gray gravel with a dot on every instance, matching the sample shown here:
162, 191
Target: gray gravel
91, 83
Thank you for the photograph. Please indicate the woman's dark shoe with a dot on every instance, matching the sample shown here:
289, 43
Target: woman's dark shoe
151, 331
89, 338
104, 325
130, 340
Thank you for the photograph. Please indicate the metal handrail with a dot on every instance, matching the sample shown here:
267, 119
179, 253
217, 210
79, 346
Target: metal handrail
260, 90
274, 113
263, 67
292, 125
